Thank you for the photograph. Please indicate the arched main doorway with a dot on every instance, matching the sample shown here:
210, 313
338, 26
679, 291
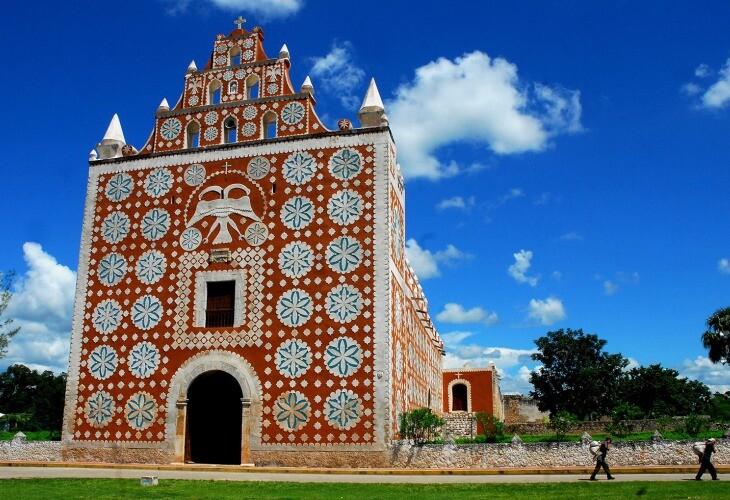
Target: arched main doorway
459, 398
214, 419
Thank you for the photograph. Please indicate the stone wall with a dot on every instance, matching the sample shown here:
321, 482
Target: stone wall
519, 409
462, 424
447, 456
20, 449
599, 426
637, 453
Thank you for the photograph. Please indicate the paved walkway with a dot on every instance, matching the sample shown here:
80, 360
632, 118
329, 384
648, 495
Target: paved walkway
292, 475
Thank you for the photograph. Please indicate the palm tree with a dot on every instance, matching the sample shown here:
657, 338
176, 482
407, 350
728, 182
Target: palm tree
717, 337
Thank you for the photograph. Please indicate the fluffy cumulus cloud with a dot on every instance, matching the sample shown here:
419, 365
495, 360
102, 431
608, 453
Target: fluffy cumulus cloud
457, 202
42, 306
266, 10
518, 270
714, 95
479, 100
716, 376
338, 75
455, 313
426, 263
513, 365
723, 265
546, 312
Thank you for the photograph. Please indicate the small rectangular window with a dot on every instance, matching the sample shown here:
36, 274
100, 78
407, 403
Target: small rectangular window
220, 302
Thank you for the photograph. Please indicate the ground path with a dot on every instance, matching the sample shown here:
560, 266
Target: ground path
234, 473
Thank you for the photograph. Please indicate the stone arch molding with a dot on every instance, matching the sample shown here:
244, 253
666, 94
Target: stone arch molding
468, 393
224, 361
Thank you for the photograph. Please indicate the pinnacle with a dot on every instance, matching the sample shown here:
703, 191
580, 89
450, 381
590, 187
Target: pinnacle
114, 132
372, 99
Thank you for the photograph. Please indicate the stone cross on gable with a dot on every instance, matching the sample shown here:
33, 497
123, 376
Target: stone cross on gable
226, 166
458, 374
239, 22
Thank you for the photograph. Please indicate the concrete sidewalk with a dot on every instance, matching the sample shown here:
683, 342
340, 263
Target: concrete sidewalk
238, 473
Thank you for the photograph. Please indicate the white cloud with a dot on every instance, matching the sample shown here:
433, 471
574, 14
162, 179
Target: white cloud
571, 236
519, 269
479, 100
338, 75
716, 376
546, 312
723, 265
612, 286
455, 313
42, 305
457, 202
266, 10
609, 287
426, 263
717, 95
702, 71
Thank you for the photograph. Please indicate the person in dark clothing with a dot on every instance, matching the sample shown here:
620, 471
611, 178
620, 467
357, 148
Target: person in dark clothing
705, 463
601, 460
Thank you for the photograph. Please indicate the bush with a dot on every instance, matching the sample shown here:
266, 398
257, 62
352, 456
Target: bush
561, 422
420, 425
493, 428
621, 419
696, 424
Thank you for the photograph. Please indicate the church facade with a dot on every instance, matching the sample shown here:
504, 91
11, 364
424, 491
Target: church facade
243, 293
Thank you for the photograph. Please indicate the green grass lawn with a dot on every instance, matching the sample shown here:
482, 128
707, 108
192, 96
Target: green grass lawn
49, 489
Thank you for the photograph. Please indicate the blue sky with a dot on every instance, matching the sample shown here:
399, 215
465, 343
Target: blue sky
566, 162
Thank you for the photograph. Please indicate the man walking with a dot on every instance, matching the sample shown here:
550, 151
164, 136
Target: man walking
705, 463
601, 460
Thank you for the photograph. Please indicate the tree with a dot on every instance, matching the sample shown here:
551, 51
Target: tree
720, 407
659, 392
6, 332
716, 338
34, 399
576, 375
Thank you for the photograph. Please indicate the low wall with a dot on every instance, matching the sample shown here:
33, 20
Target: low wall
39, 451
448, 456
575, 454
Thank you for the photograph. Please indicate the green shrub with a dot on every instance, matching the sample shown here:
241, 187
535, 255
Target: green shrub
493, 428
420, 425
622, 419
562, 421
696, 424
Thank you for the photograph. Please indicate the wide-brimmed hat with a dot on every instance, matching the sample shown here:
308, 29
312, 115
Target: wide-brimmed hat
712, 440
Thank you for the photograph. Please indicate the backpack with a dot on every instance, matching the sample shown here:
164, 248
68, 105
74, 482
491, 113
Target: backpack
594, 448
699, 448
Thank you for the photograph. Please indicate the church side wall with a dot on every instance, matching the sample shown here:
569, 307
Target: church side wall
415, 355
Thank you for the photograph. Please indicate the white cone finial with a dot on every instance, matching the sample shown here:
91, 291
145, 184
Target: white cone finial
113, 142
93, 156
114, 132
192, 68
372, 111
372, 99
307, 87
284, 52
164, 106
